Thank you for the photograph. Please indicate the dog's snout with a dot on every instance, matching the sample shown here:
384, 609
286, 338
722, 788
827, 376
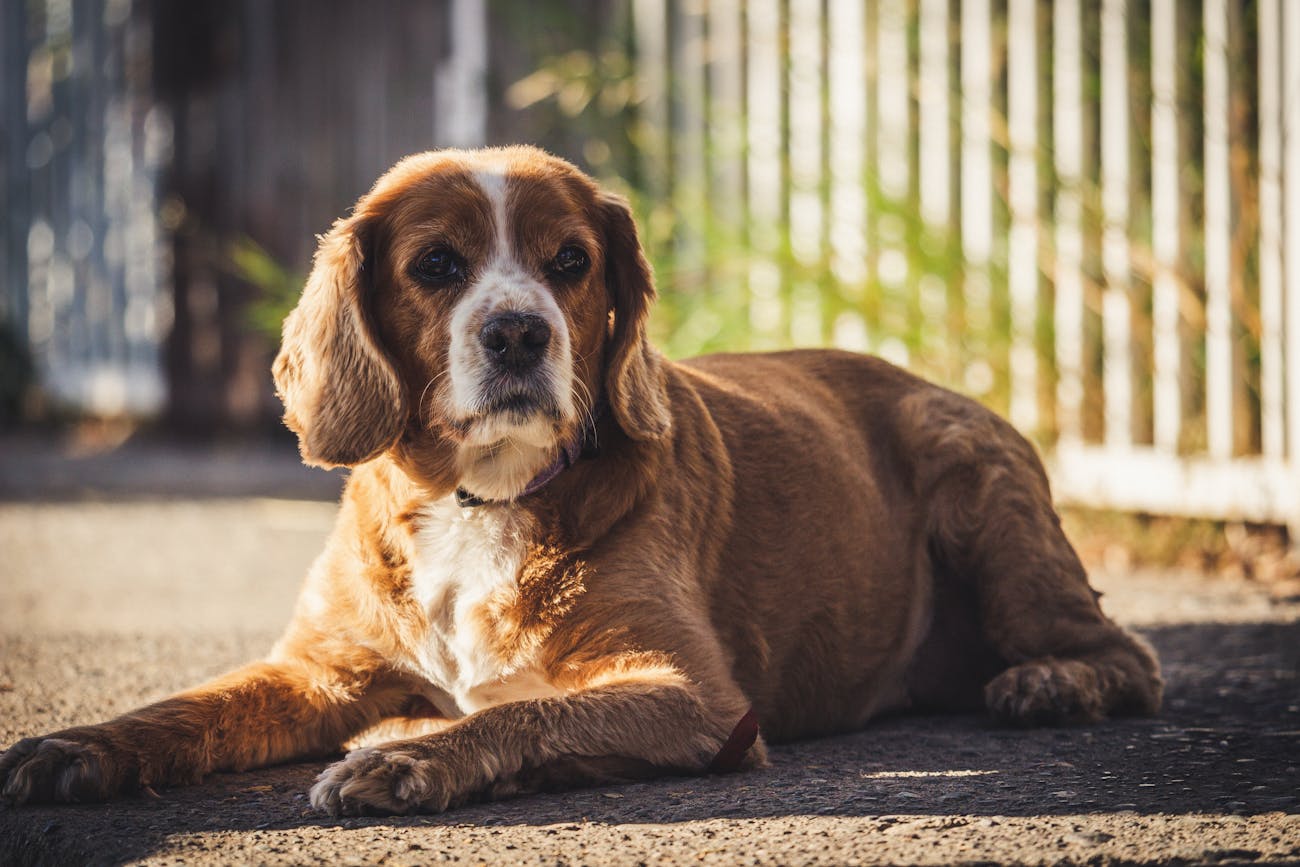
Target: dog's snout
515, 340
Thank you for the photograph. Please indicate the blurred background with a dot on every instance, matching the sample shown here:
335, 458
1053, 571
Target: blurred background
1085, 213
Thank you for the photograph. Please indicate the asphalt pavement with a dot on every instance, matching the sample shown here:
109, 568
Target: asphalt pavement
132, 573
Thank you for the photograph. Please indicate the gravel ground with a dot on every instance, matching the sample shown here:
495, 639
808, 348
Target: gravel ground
118, 599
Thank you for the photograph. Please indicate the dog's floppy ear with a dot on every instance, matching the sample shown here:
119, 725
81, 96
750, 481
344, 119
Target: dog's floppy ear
633, 374
341, 394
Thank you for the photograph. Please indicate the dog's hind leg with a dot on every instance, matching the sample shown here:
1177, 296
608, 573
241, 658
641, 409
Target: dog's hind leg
992, 524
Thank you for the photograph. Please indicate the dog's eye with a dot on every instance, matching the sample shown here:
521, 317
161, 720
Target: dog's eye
570, 261
439, 265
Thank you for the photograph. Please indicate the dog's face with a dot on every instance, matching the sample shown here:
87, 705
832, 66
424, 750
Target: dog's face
470, 314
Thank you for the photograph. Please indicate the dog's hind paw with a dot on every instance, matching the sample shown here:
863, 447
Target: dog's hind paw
382, 781
1046, 692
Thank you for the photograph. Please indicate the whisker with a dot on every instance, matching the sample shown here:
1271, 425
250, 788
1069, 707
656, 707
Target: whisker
420, 406
587, 420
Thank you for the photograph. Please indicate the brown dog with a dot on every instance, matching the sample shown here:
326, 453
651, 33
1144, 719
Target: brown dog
563, 559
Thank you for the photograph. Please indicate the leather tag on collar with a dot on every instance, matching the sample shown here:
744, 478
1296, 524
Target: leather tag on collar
741, 739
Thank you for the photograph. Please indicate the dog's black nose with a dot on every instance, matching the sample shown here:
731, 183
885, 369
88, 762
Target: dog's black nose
515, 340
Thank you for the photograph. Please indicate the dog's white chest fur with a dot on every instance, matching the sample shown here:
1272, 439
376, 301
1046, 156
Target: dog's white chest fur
464, 558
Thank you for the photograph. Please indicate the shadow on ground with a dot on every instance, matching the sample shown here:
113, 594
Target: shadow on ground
1228, 743
55, 467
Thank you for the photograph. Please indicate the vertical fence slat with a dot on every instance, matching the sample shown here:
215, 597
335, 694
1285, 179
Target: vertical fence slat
893, 113
976, 183
1165, 241
1218, 234
1291, 227
133, 187
1270, 232
892, 98
650, 24
726, 100
461, 89
805, 132
1022, 118
934, 153
934, 142
1067, 86
807, 219
726, 152
14, 234
689, 164
847, 126
1116, 311
763, 100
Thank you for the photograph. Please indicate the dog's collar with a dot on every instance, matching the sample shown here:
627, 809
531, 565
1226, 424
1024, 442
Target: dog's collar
583, 445
741, 739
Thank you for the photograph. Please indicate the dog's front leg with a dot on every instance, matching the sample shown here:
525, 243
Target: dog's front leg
257, 715
663, 726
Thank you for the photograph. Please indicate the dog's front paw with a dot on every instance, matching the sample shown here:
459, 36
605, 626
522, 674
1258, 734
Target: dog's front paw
1045, 692
61, 769
382, 780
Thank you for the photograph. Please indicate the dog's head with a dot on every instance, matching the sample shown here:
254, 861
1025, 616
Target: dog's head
474, 307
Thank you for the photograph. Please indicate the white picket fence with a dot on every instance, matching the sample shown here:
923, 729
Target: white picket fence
1126, 224
1260, 483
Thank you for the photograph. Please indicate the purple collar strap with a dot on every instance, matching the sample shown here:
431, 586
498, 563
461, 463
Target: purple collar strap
581, 446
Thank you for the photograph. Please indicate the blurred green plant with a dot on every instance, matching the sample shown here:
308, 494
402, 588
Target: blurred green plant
278, 286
